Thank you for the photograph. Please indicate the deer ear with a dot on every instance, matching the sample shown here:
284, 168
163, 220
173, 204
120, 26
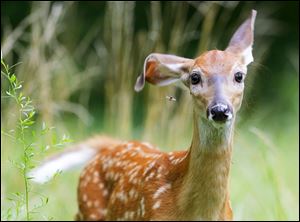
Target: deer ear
162, 69
242, 40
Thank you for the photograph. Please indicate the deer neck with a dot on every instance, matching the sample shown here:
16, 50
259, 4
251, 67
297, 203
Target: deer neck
205, 184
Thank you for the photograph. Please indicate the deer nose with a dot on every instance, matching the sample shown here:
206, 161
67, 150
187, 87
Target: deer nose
219, 113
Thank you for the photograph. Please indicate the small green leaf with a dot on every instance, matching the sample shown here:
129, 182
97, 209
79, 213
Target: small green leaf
30, 155
25, 114
31, 167
18, 87
8, 93
31, 114
28, 123
22, 166
12, 78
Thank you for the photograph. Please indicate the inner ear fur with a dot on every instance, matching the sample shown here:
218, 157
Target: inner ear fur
162, 69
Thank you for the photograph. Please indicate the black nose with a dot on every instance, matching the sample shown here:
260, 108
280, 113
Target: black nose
219, 112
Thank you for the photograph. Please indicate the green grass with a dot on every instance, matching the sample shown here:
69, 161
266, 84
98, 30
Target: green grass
265, 181
264, 177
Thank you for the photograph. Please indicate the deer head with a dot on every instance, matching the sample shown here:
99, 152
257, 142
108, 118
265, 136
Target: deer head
215, 79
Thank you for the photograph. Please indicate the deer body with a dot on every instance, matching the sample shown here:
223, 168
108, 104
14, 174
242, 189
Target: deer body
135, 181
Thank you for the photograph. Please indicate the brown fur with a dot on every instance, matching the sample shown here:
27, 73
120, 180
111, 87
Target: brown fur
175, 202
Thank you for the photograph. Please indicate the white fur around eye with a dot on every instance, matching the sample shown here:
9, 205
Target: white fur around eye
238, 68
197, 89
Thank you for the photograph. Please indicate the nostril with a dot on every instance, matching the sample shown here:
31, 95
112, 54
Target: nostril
219, 117
220, 113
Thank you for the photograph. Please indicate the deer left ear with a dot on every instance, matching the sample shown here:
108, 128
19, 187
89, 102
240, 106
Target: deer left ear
242, 40
162, 69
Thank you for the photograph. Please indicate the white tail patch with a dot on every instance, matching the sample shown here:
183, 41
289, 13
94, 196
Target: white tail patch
62, 162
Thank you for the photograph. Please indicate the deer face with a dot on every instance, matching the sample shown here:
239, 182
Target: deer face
215, 78
216, 83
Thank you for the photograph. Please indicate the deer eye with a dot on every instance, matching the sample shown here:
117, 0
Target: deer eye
238, 77
195, 78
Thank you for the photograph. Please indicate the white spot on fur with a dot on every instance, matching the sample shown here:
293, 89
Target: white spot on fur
151, 175
133, 193
142, 206
96, 203
171, 158
105, 193
122, 197
138, 149
149, 167
84, 197
133, 154
131, 214
101, 185
130, 145
102, 211
178, 160
160, 169
134, 181
161, 190
149, 145
95, 179
96, 174
89, 204
126, 215
93, 216
156, 205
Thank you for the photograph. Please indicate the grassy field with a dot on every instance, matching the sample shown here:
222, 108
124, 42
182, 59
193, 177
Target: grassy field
264, 177
79, 74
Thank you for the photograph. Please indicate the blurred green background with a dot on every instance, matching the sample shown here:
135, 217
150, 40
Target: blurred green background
79, 63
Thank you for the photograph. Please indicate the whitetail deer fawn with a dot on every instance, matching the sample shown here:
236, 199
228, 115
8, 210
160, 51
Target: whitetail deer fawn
135, 181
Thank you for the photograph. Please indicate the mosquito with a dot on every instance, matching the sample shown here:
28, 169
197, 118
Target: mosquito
171, 98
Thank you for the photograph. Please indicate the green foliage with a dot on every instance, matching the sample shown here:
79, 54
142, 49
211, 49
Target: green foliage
25, 121
25, 137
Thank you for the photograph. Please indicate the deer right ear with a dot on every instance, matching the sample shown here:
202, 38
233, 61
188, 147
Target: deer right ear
242, 40
162, 69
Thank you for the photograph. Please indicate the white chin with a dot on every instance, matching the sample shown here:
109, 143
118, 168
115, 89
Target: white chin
227, 123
